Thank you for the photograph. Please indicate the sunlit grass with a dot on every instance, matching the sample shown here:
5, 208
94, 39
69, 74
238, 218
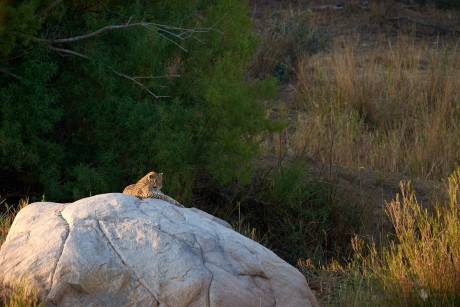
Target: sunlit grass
20, 294
394, 109
420, 266
422, 262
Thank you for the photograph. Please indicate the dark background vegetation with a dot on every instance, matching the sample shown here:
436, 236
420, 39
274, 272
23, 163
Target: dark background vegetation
72, 126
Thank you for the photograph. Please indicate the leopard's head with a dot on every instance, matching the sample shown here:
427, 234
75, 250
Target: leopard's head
155, 179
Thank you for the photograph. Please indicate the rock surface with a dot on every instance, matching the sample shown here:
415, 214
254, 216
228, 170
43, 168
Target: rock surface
117, 250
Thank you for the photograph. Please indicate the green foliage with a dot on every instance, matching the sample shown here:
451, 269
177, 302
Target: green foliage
303, 208
318, 41
282, 72
75, 126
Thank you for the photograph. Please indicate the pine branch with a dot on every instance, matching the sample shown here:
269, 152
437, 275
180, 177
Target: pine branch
133, 79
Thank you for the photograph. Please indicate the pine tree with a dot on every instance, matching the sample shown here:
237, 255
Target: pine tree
140, 86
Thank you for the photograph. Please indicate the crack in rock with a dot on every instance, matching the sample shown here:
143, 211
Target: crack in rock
123, 261
182, 276
209, 271
225, 255
59, 214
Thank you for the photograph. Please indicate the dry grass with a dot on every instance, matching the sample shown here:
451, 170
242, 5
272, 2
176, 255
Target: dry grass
286, 34
422, 264
419, 267
6, 218
393, 109
343, 285
20, 294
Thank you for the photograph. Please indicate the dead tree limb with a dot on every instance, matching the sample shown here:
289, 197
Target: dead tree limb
166, 31
133, 79
68, 51
171, 33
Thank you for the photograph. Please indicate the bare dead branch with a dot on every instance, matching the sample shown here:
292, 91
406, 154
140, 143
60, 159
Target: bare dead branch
179, 46
176, 32
171, 33
85, 36
327, 7
68, 51
137, 82
156, 77
5, 71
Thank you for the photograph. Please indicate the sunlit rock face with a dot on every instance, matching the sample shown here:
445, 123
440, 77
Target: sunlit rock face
118, 250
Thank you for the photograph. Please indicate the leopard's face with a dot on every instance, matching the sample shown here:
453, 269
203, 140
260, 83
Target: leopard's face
155, 179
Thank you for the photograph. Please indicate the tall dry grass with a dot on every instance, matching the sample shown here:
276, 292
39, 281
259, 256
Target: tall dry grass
422, 263
419, 267
394, 108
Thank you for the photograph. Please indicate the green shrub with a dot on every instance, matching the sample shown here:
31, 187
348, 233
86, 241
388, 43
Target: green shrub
73, 124
289, 211
296, 212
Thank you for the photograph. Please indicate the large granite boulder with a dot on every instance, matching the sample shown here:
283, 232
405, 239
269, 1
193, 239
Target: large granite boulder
118, 250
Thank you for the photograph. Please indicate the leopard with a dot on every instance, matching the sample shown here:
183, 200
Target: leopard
150, 186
